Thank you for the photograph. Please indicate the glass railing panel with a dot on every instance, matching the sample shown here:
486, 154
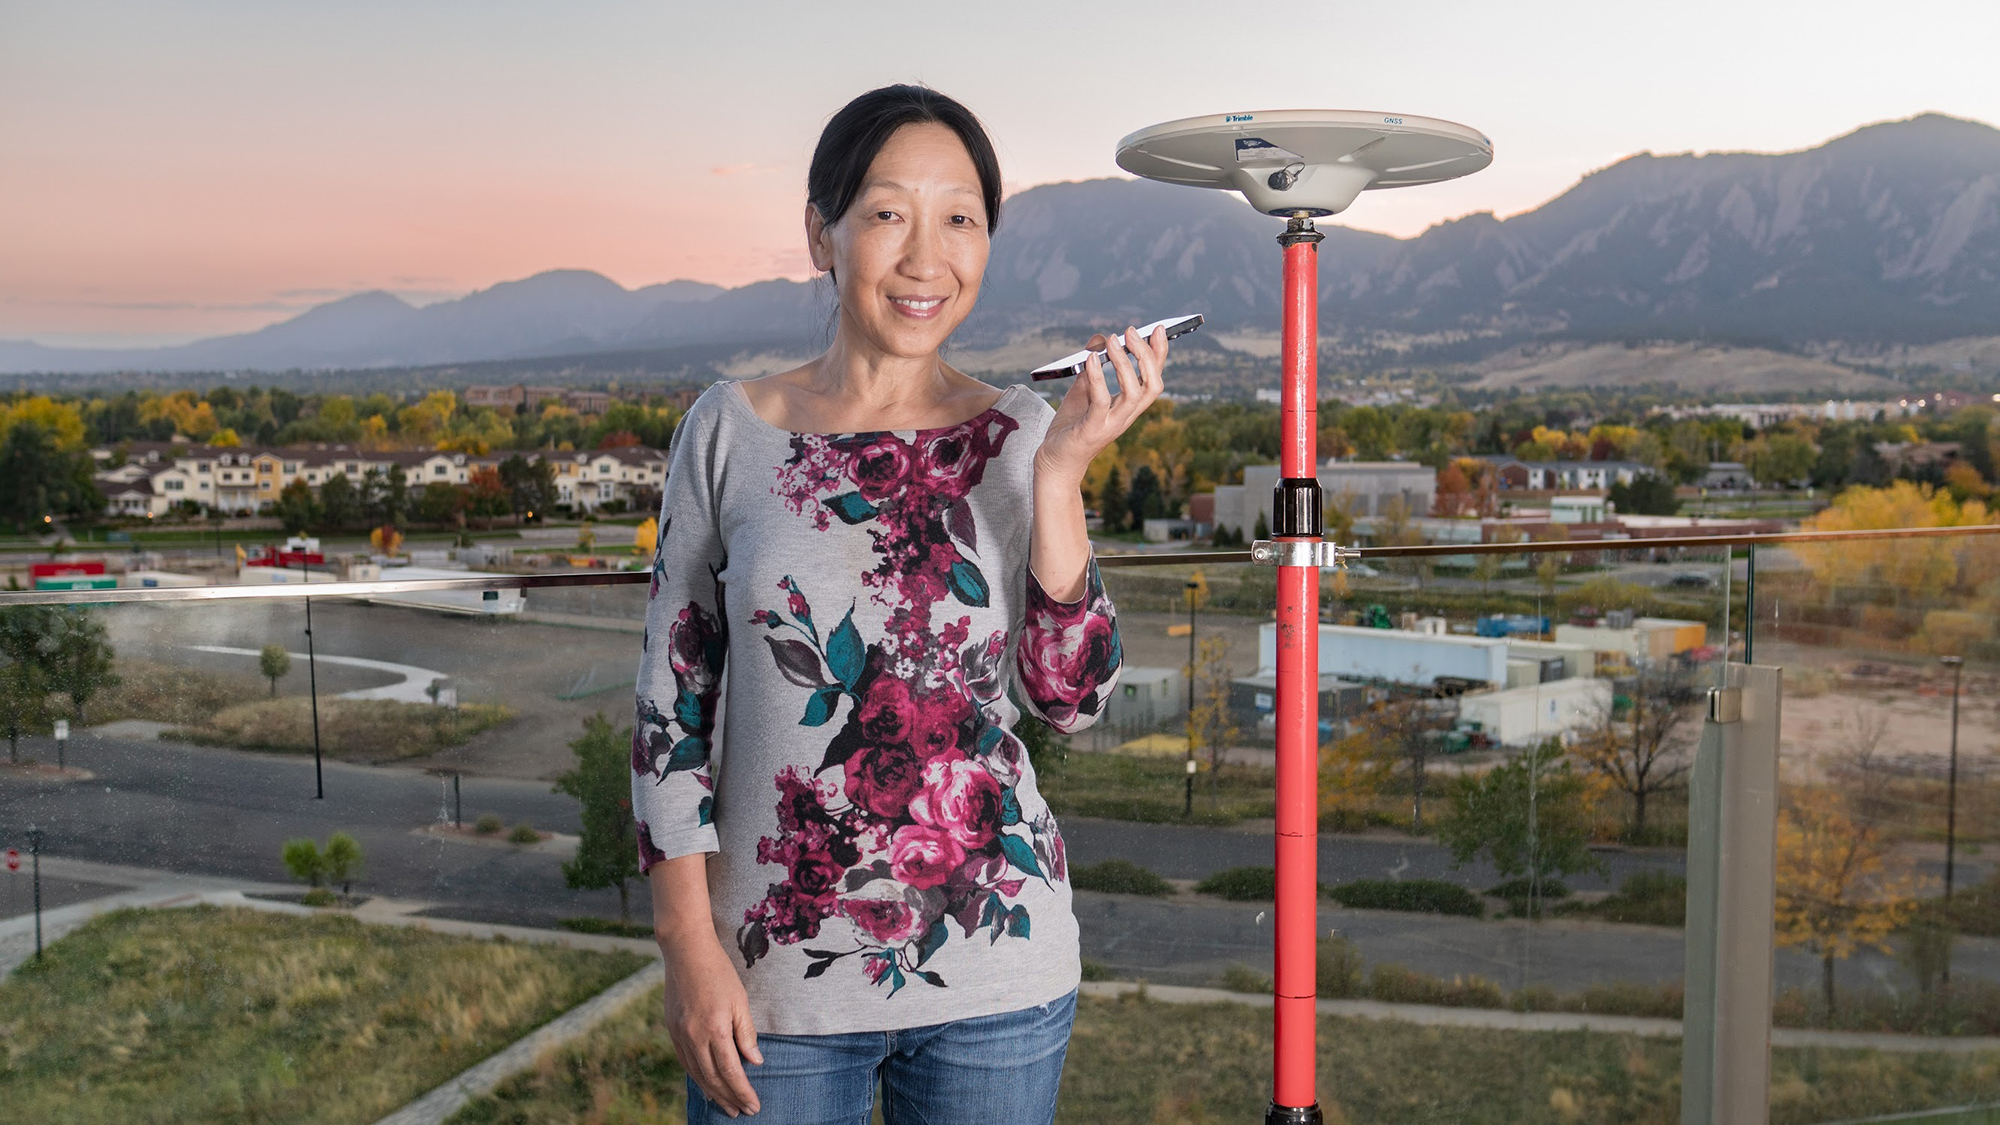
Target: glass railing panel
1520, 875
1888, 902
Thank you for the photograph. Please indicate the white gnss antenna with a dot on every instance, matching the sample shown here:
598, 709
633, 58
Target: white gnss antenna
1305, 162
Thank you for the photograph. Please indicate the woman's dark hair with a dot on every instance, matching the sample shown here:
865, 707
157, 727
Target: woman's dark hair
857, 133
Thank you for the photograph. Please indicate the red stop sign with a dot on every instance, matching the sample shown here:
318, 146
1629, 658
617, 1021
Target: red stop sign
13, 859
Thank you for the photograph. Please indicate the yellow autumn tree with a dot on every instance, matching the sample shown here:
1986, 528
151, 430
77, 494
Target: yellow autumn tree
424, 422
1214, 724
1909, 564
1838, 890
61, 419
386, 539
1352, 772
645, 536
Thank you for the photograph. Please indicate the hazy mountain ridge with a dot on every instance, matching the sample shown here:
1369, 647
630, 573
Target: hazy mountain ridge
1887, 237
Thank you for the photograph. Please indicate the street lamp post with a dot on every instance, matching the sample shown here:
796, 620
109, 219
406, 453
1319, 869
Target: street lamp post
1190, 589
312, 679
35, 856
1957, 666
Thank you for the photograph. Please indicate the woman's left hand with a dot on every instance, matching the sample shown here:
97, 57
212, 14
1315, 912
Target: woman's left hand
1090, 417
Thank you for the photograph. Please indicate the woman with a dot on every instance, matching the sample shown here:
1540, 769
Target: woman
854, 876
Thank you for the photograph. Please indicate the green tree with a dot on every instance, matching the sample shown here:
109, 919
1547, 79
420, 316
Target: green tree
1113, 503
340, 503
342, 859
79, 657
1644, 495
1143, 499
25, 642
42, 480
296, 508
531, 485
440, 503
274, 662
395, 495
1780, 458
606, 855
24, 700
305, 861
1529, 817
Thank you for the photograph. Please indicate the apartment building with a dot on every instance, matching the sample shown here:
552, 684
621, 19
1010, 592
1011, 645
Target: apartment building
246, 480
1513, 473
522, 395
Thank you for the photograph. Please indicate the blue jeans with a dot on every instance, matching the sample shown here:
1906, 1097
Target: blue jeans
987, 1070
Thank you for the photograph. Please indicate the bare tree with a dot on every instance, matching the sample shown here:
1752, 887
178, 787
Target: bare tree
1411, 733
1636, 751
1861, 764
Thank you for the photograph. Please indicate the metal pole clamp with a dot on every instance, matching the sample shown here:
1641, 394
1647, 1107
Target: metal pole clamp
1300, 552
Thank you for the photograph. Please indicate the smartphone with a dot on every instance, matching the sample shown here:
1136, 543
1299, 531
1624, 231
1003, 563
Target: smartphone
1072, 364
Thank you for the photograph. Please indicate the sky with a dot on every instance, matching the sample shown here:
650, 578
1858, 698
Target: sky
171, 169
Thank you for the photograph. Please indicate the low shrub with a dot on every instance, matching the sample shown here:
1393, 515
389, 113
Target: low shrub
1520, 888
1242, 884
1420, 896
1338, 969
1624, 998
488, 824
524, 833
1118, 876
1243, 978
1650, 898
1097, 970
1535, 998
320, 896
1399, 984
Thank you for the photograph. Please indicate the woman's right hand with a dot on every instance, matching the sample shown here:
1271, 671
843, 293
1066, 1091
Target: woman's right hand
708, 1017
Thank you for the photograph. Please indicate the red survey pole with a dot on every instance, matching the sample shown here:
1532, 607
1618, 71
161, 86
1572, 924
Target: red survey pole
1298, 519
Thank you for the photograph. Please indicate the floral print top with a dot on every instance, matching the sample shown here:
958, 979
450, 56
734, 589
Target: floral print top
833, 625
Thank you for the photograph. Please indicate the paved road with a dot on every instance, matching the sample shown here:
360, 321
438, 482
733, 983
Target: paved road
211, 812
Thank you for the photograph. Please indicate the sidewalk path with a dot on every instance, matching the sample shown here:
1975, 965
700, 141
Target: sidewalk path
409, 689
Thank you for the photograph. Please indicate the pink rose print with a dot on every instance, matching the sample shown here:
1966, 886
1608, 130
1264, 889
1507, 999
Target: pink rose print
923, 857
909, 829
961, 799
882, 779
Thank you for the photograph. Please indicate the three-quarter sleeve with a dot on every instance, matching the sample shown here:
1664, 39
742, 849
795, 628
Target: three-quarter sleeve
683, 650
1068, 656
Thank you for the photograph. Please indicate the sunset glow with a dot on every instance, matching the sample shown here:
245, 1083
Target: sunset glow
183, 169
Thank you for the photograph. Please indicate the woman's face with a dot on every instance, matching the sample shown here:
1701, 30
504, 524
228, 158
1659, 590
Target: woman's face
908, 254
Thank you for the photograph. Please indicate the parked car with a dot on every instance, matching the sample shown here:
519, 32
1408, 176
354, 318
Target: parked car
1692, 580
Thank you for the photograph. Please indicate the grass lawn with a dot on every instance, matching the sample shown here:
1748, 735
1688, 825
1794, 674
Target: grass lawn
373, 730
227, 1014
1154, 789
1140, 1061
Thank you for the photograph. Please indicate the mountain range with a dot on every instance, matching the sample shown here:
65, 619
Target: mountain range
1887, 236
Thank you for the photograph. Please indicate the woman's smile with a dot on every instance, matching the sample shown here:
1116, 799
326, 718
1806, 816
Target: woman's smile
917, 308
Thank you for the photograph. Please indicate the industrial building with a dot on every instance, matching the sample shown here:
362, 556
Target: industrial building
1514, 691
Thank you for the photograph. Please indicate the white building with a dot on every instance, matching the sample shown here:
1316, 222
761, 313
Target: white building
1524, 716
1365, 488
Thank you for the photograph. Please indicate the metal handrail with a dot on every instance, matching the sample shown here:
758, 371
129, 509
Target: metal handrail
1142, 559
